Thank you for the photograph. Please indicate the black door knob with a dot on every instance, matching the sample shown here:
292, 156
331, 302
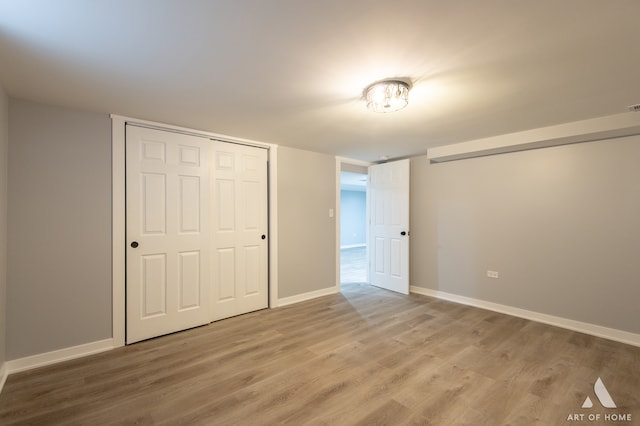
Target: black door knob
134, 244
403, 233
263, 236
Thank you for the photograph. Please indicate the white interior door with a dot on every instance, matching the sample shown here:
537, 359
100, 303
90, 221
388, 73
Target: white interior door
389, 225
240, 239
168, 234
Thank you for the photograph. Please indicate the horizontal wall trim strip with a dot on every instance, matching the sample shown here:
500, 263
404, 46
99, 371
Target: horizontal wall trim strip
307, 296
582, 327
53, 357
611, 126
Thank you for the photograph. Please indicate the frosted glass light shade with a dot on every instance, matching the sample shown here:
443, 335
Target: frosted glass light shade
387, 96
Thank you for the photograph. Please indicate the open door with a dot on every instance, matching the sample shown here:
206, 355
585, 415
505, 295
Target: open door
389, 225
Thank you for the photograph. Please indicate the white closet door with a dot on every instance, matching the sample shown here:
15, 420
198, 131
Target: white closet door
168, 233
389, 225
240, 239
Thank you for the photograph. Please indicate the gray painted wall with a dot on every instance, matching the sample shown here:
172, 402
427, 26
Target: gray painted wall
561, 226
59, 214
4, 146
306, 233
59, 239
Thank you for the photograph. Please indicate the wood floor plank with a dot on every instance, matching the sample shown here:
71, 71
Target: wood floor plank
364, 356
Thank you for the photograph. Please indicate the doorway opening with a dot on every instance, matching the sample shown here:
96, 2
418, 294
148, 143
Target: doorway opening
354, 263
386, 223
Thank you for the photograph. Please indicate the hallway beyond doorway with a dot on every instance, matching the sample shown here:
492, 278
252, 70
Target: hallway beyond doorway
353, 265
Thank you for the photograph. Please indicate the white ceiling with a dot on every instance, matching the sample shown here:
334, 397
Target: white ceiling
292, 72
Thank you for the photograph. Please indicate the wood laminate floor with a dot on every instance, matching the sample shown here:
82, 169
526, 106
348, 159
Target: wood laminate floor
366, 356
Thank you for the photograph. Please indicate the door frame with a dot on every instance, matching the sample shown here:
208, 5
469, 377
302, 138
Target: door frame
118, 227
339, 162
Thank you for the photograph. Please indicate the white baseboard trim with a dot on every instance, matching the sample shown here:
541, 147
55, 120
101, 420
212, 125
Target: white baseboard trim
3, 375
582, 327
307, 296
48, 358
348, 246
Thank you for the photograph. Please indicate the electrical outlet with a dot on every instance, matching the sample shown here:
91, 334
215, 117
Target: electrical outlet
493, 274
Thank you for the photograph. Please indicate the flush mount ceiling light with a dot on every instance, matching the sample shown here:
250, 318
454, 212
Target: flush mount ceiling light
387, 95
